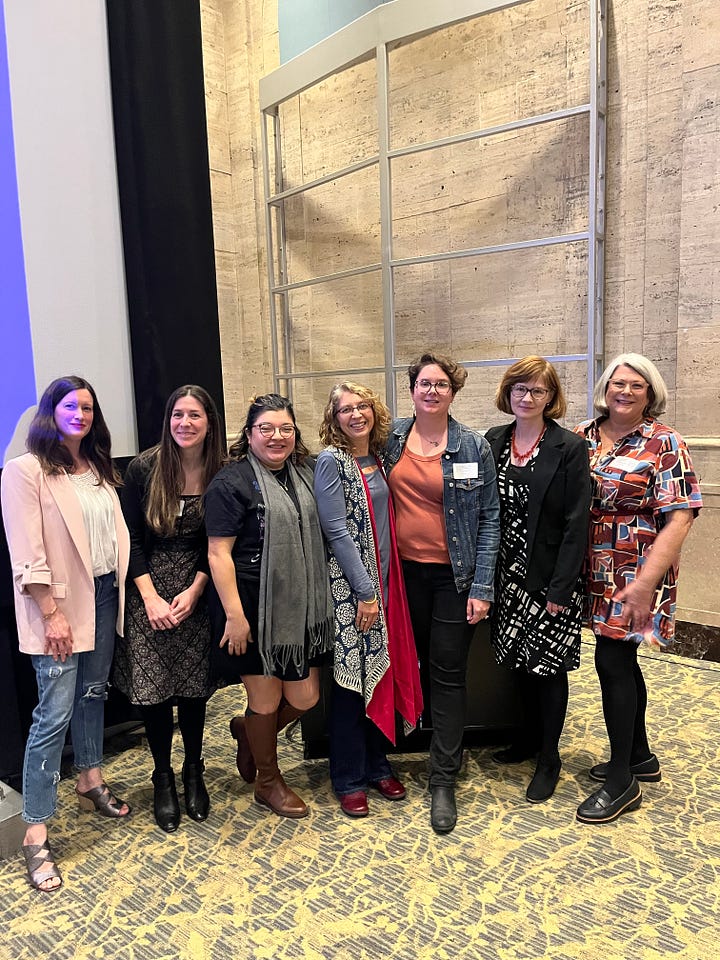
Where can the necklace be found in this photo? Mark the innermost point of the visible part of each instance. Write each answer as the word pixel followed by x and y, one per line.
pixel 522 457
pixel 283 479
pixel 433 443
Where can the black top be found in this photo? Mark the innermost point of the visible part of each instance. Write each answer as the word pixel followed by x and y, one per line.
pixel 143 540
pixel 234 507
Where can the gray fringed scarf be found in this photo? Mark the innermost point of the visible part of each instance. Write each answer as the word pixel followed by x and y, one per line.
pixel 292 604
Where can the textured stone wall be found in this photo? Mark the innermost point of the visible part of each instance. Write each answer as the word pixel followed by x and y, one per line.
pixel 662 265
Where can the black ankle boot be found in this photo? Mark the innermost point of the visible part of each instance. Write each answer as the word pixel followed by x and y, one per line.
pixel 197 801
pixel 165 802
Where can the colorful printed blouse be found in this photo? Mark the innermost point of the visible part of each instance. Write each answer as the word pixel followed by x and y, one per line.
pixel 647 474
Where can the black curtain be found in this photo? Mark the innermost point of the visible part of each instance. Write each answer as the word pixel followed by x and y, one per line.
pixel 158 100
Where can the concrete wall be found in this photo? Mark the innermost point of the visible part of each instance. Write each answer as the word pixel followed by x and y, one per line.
pixel 662 291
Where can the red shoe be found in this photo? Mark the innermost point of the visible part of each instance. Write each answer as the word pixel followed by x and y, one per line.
pixel 355 804
pixel 390 788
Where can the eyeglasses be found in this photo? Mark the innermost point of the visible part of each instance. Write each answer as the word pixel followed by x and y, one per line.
pixel 441 387
pixel 518 390
pixel 621 385
pixel 361 407
pixel 269 430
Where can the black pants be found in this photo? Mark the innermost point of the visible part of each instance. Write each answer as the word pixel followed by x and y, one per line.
pixel 442 636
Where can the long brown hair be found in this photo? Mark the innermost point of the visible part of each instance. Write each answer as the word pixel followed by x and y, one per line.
pixel 45 442
pixel 166 474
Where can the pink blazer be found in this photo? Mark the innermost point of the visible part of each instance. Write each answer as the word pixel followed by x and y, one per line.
pixel 48 544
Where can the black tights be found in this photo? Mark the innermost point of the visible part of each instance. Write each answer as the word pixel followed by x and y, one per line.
pixel 624 698
pixel 546 700
pixel 158 720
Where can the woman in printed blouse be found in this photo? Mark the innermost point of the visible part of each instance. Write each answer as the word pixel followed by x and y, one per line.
pixel 375 666
pixel 165 656
pixel 544 485
pixel 645 498
pixel 269 568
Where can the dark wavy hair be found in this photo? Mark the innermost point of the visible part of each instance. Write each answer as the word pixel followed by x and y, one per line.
pixel 456 374
pixel 330 432
pixel 166 474
pixel 267 403
pixel 45 442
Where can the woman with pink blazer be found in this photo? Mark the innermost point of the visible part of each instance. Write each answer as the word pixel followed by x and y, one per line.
pixel 69 548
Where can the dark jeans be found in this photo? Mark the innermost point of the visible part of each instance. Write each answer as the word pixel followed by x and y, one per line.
pixel 442 636
pixel 358 750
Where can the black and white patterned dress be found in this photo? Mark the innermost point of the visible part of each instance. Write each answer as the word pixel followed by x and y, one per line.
pixel 152 666
pixel 525 636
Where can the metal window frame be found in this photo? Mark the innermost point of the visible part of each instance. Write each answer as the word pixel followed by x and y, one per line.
pixel 371 37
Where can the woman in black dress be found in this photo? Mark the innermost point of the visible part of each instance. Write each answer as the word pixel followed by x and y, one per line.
pixel 269 568
pixel 165 657
pixel 544 485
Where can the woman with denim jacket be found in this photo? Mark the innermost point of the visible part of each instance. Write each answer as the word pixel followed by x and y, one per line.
pixel 442 477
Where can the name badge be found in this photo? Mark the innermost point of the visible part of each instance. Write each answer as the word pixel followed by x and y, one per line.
pixel 628 465
pixel 465 471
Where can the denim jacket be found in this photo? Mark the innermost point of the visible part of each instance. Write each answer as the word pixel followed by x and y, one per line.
pixel 472 507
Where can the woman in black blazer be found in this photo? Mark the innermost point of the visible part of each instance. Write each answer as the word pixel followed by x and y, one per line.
pixel 544 485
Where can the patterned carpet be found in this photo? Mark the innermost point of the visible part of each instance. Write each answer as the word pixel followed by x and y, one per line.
pixel 514 881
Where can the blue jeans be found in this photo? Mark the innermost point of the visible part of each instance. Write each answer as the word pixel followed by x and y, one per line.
pixel 442 637
pixel 358 750
pixel 69 694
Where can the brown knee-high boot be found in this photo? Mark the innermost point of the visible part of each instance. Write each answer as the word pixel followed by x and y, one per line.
pixel 244 759
pixel 270 788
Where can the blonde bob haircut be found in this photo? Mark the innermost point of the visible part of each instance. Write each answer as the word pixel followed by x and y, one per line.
pixel 330 432
pixel 657 391
pixel 525 371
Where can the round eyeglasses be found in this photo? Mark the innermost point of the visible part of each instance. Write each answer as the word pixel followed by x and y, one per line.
pixel 268 430
pixel 518 391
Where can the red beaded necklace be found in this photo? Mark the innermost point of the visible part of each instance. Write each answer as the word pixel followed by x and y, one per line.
pixel 522 457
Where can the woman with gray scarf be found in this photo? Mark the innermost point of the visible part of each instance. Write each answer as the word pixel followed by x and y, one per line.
pixel 268 566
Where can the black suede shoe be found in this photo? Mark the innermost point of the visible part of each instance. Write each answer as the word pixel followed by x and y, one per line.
pixel 542 786
pixel 165 803
pixel 197 801
pixel 443 812
pixel 648 771
pixel 600 807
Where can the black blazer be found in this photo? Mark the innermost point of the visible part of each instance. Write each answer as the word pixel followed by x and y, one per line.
pixel 558 510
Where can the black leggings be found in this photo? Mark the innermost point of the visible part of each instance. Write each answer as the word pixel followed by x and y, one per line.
pixel 158 720
pixel 545 700
pixel 624 698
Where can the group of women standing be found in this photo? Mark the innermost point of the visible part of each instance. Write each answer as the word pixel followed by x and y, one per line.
pixel 381 557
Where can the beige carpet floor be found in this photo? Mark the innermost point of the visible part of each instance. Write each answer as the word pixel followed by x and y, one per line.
pixel 514 881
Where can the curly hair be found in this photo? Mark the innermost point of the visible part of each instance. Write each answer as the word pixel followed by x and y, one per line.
pixel 525 371
pixel 330 432
pixel 45 442
pixel 267 403
pixel 456 374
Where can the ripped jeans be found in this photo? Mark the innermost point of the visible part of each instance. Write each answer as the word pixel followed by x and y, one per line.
pixel 70 694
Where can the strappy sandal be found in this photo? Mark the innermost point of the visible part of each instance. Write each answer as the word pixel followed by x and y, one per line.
pixel 101 799
pixel 36 856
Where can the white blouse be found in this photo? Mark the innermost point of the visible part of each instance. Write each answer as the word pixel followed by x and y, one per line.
pixel 99 516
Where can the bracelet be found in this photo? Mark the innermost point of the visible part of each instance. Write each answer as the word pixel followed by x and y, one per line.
pixel 373 599
pixel 52 613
